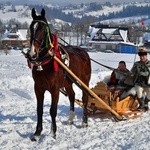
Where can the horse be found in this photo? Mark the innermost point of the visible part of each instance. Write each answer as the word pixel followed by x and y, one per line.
pixel 48 75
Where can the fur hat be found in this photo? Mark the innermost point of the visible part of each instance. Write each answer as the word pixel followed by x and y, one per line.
pixel 142 52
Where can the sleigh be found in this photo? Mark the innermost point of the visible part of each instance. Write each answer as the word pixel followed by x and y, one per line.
pixel 127 107
pixel 102 100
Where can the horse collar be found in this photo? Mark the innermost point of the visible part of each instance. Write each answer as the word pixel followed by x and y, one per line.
pixel 39 63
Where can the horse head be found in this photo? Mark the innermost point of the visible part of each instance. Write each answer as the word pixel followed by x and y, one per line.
pixel 40 36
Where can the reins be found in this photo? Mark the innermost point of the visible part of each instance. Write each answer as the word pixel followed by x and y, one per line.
pixel 111 68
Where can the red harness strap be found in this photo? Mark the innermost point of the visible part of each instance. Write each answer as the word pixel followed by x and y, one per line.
pixel 42 63
pixel 56 51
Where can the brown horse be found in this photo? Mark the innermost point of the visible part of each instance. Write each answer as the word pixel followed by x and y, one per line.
pixel 47 77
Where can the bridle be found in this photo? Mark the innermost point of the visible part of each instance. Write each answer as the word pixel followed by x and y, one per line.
pixel 46 30
pixel 41 56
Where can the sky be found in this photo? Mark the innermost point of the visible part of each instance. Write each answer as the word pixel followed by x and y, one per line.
pixel 64 2
pixel 18 112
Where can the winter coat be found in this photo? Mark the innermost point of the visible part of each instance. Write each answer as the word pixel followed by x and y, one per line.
pixel 118 77
pixel 141 73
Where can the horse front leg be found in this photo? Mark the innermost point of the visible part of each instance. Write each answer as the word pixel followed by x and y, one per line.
pixel 53 113
pixel 40 98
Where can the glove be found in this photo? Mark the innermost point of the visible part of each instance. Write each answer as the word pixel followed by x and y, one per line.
pixel 144 73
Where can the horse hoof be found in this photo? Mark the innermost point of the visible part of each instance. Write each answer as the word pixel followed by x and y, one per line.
pixel 69 122
pixel 71 117
pixel 54 136
pixel 34 138
pixel 84 125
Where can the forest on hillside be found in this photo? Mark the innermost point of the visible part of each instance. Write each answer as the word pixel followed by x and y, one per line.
pixel 127 11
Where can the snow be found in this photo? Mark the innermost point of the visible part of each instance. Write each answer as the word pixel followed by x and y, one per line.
pixel 106 12
pixel 18 112
pixel 22 14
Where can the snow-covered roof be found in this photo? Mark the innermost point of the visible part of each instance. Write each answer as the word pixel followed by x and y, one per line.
pixel 108 31
pixel 18 35
pixel 112 42
pixel 123 34
pixel 93 32
pixel 23 34
pixel 147 37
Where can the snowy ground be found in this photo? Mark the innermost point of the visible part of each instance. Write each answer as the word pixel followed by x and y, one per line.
pixel 18 113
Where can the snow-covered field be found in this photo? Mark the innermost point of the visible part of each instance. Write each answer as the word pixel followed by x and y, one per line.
pixel 18 113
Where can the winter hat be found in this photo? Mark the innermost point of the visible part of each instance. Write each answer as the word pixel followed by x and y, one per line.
pixel 142 52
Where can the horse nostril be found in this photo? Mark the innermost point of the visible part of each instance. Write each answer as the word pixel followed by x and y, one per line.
pixel 34 56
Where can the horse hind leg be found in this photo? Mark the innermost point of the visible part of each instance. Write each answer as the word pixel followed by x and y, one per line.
pixel 71 117
pixel 86 79
pixel 85 118
pixel 53 112
pixel 71 96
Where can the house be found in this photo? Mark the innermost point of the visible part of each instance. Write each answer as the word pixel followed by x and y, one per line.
pixel 104 37
pixel 146 40
pixel 15 38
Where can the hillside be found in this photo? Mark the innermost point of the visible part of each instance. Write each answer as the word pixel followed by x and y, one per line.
pixel 77 13
pixel 104 9
pixel 20 13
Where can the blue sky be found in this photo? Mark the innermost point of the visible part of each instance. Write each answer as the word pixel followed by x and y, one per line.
pixel 65 2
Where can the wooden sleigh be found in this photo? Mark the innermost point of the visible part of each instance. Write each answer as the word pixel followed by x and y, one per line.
pixel 127 107
pixel 102 99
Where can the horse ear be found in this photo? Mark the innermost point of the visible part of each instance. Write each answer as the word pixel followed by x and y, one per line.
pixel 43 13
pixel 33 13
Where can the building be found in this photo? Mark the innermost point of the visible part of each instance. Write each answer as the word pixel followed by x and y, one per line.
pixel 15 38
pixel 104 37
pixel 146 40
